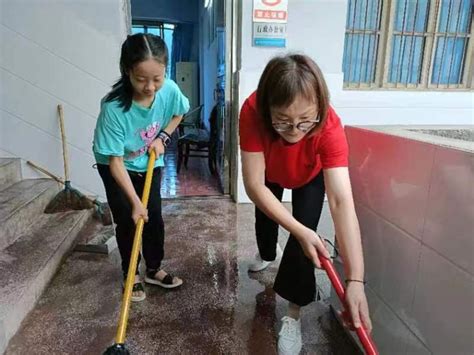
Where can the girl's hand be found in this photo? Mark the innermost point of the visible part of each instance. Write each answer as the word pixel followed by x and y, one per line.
pixel 312 244
pixel 158 146
pixel 358 312
pixel 138 211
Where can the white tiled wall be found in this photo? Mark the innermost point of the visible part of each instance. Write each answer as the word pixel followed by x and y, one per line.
pixel 388 180
pixel 415 204
pixel 443 306
pixel 391 261
pixel 449 225
pixel 57 52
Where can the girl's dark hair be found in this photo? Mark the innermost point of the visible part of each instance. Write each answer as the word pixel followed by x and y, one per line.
pixel 136 49
pixel 286 77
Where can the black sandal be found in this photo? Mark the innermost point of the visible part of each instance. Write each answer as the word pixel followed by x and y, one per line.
pixel 166 282
pixel 137 287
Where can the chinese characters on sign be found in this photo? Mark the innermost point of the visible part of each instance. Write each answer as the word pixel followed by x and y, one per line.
pixel 268 14
pixel 269 23
pixel 266 29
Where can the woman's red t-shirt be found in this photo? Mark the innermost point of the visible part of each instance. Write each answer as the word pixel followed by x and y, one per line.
pixel 293 165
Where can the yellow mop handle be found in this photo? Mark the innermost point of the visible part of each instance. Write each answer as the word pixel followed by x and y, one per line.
pixel 137 240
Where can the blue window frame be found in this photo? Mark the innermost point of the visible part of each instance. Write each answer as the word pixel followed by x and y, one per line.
pixel 415 44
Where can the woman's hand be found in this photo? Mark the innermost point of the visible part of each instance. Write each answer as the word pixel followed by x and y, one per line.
pixel 139 211
pixel 358 312
pixel 312 244
pixel 158 146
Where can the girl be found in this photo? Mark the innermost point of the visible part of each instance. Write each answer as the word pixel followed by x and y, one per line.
pixel 138 115
pixel 291 138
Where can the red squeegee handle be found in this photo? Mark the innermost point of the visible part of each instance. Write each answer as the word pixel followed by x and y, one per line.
pixel 364 337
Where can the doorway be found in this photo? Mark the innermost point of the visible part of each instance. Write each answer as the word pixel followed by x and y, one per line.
pixel 200 52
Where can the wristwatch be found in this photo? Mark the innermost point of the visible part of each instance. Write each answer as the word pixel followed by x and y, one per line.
pixel 165 138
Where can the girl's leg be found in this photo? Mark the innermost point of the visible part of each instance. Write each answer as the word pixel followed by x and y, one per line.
pixel 295 280
pixel 154 229
pixel 154 236
pixel 266 229
pixel 122 214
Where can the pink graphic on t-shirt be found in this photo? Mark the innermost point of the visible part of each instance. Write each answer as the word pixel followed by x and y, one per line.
pixel 147 135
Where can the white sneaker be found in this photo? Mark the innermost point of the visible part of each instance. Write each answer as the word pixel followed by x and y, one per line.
pixel 259 264
pixel 289 338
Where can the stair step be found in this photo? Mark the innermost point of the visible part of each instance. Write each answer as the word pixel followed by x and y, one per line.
pixel 10 172
pixel 27 266
pixel 21 205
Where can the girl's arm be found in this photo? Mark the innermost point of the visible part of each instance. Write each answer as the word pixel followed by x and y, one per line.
pixel 253 170
pixel 157 144
pixel 341 203
pixel 120 174
pixel 175 121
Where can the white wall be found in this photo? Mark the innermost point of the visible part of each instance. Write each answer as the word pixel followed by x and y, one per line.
pixel 57 52
pixel 316 27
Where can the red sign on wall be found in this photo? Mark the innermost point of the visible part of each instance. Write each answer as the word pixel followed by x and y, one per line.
pixel 275 11
pixel 271 2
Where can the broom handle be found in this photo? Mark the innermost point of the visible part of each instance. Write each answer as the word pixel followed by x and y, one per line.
pixel 364 337
pixel 57 178
pixel 127 295
pixel 63 140
pixel 46 172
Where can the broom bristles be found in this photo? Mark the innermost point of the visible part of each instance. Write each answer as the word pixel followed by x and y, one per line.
pixel 68 199
pixel 117 349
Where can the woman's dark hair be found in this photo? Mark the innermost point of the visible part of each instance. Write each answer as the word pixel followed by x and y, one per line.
pixel 286 77
pixel 136 49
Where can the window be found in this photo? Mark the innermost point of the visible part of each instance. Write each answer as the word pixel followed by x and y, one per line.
pixel 164 30
pixel 408 44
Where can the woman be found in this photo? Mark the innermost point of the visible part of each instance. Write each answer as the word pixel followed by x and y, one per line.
pixel 291 138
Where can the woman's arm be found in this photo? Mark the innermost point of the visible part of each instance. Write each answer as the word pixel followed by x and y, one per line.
pixel 120 174
pixel 341 203
pixel 253 170
pixel 338 189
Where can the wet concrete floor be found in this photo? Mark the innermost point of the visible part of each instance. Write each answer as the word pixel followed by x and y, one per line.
pixel 220 309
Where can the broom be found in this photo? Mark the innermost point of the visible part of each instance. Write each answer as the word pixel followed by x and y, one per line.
pixel 364 337
pixel 103 212
pixel 69 198
pixel 119 347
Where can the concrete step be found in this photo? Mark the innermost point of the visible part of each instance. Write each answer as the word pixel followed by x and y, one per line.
pixel 97 238
pixel 10 172
pixel 21 204
pixel 28 265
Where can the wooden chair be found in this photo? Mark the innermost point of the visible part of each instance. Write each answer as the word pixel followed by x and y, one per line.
pixel 197 142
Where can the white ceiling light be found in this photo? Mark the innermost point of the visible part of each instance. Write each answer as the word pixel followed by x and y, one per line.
pixel 207 3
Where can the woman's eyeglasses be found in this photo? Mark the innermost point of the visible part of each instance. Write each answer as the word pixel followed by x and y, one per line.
pixel 304 126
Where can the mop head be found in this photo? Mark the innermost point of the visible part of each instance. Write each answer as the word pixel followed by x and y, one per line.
pixel 68 199
pixel 117 349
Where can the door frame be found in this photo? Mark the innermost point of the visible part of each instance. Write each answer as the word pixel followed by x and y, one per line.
pixel 233 19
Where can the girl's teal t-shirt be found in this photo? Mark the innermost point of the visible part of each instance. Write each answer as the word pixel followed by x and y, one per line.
pixel 129 134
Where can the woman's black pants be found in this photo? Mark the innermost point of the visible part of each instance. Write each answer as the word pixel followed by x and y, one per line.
pixel 295 280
